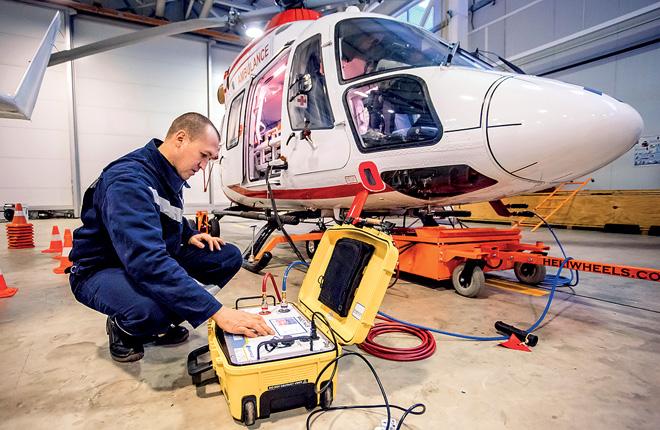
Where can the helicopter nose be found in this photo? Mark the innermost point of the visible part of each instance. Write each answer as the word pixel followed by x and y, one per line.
pixel 550 131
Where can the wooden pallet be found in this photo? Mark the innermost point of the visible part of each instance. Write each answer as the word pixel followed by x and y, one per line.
pixel 588 209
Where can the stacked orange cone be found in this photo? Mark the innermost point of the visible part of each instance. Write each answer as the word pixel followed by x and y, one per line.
pixel 20 234
pixel 55 242
pixel 5 291
pixel 65 263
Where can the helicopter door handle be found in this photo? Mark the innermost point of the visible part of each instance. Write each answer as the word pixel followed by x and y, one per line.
pixel 340 123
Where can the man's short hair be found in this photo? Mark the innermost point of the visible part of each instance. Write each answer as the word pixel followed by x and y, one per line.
pixel 192 123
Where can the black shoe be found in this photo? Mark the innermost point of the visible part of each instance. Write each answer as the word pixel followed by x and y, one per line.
pixel 173 336
pixel 123 347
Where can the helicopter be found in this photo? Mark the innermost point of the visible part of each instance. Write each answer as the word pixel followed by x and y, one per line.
pixel 321 107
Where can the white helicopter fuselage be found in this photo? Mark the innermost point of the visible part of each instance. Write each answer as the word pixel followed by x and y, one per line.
pixel 430 135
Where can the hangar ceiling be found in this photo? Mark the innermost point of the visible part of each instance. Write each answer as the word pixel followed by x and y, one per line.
pixel 238 15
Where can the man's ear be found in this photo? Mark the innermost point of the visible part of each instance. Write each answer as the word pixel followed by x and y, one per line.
pixel 180 137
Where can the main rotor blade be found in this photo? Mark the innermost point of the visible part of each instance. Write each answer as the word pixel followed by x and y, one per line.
pixel 135 37
pixel 21 104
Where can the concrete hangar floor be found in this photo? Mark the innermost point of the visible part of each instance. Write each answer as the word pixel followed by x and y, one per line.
pixel 595 365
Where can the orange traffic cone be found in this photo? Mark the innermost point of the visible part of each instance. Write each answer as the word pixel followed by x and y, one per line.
pixel 68 238
pixel 20 234
pixel 5 291
pixel 55 242
pixel 65 263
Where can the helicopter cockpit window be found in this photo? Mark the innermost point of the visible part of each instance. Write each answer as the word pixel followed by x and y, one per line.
pixel 367 46
pixel 392 113
pixel 308 101
pixel 233 122
pixel 264 119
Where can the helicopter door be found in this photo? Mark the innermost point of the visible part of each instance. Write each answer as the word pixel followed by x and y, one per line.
pixel 310 113
pixel 264 120
pixel 232 157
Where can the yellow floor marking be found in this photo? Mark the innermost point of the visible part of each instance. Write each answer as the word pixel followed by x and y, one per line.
pixel 503 284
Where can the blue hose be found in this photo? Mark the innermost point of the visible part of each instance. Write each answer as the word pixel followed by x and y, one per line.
pixel 286 272
pixel 554 279
pixel 563 280
pixel 491 338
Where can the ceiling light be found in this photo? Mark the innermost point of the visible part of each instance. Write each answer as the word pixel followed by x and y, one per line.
pixel 254 32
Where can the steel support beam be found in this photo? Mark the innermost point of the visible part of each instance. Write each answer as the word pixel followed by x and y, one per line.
pixel 206 8
pixel 160 8
pixel 74 151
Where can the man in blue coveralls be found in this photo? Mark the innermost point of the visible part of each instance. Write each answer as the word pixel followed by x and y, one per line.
pixel 136 258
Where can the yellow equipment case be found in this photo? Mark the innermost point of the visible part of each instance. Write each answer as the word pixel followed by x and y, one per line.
pixel 345 283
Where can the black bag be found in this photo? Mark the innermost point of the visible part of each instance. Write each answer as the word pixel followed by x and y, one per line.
pixel 344 274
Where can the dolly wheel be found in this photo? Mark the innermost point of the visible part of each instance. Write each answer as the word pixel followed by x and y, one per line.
pixel 527 273
pixel 326 398
pixel 468 287
pixel 310 247
pixel 249 413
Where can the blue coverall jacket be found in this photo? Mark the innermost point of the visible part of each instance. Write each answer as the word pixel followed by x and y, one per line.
pixel 133 219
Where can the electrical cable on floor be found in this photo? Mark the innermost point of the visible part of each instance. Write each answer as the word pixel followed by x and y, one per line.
pixel 416 409
pixel 388 407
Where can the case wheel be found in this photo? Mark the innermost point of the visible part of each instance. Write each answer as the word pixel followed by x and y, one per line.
pixel 531 274
pixel 326 398
pixel 468 287
pixel 310 247
pixel 249 412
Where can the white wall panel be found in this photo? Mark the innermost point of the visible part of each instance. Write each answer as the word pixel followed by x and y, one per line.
pixel 632 78
pixel 532 23
pixel 529 28
pixel 597 11
pixel 35 166
pixel 568 16
pixel 129 95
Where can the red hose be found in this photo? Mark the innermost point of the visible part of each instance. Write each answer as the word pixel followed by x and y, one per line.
pixel 264 285
pixel 424 350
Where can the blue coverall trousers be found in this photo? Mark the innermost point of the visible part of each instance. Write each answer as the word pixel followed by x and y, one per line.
pixel 111 292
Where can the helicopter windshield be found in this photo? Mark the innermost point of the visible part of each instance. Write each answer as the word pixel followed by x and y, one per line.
pixel 367 46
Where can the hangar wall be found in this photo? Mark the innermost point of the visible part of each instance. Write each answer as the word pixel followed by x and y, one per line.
pixel 100 107
pixel 35 159
pixel 553 38
pixel 631 77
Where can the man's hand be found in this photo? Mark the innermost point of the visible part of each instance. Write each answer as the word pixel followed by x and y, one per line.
pixel 199 239
pixel 239 322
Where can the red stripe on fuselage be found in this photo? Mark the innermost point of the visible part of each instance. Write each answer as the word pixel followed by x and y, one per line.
pixel 333 192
